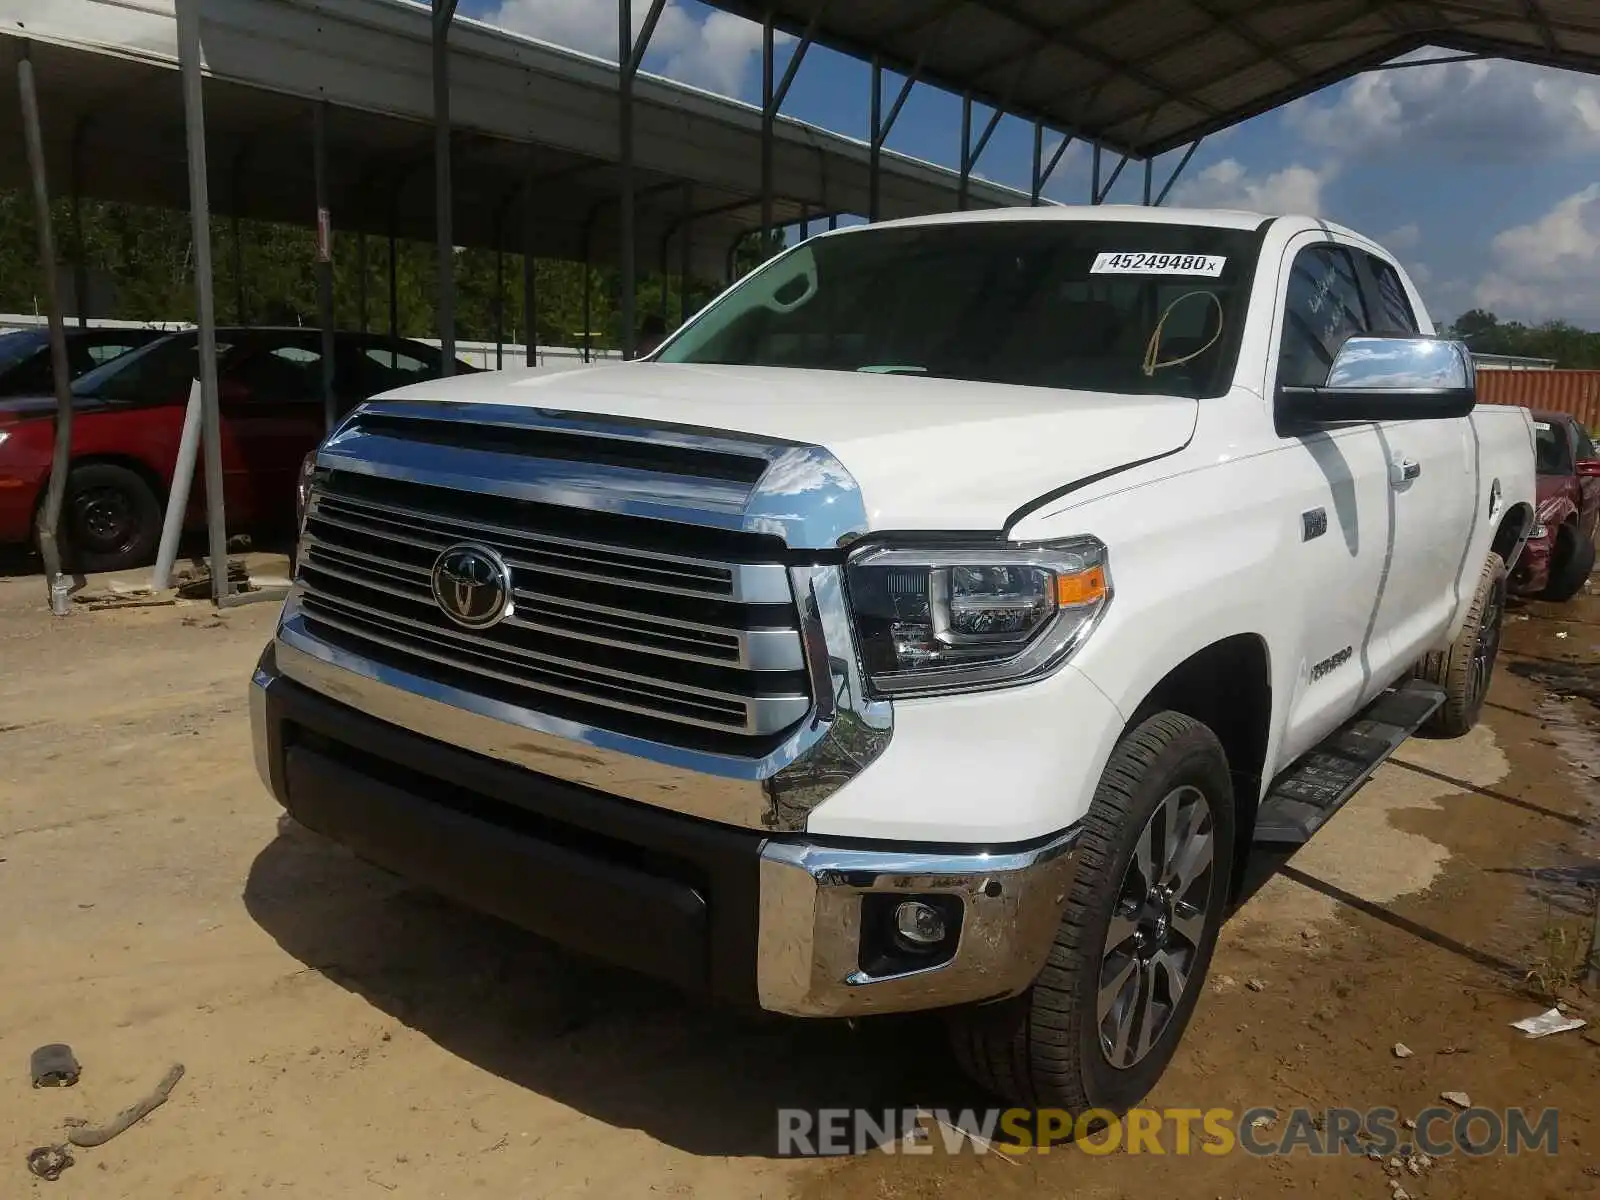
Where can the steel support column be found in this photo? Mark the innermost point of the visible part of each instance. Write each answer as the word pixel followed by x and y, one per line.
pixel 394 290
pixel 684 246
pixel 1149 179
pixel 236 232
pixel 972 151
pixel 768 119
pixel 773 93
pixel 49 517
pixel 530 312
pixel 875 145
pixel 499 294
pixel 194 121
pixel 630 56
pixel 965 175
pixel 1094 176
pixel 1102 192
pixel 361 278
pixel 80 265
pixel 1178 170
pixel 1043 170
pixel 588 289
pixel 444 12
pixel 319 173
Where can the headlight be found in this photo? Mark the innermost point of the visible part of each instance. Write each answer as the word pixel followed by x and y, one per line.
pixel 1539 530
pixel 302 489
pixel 939 619
pixel 4 434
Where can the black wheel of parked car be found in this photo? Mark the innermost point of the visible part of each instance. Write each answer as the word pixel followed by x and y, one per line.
pixel 111 519
pixel 1466 666
pixel 1103 1019
pixel 1570 565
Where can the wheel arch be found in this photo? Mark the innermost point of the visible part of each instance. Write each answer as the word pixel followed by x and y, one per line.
pixel 1510 534
pixel 1226 686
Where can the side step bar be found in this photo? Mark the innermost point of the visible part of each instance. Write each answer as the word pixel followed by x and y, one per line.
pixel 1317 785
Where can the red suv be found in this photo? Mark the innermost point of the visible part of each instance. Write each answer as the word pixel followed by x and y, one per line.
pixel 128 415
pixel 1560 554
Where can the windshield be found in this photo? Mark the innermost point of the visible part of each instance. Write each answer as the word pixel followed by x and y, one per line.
pixel 1550 450
pixel 1114 306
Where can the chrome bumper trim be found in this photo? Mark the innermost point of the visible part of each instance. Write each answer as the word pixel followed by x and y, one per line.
pixel 808 958
pixel 843 734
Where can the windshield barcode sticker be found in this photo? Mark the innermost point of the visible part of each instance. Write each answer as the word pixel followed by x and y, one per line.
pixel 1143 262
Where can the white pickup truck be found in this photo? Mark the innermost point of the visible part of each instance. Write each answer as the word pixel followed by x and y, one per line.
pixel 937 620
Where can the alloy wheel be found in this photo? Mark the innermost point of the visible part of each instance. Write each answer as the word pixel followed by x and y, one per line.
pixel 1157 926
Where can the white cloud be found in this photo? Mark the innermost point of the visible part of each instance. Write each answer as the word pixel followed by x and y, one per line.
pixel 1478 111
pixel 716 53
pixel 1549 267
pixel 1229 184
pixel 1403 239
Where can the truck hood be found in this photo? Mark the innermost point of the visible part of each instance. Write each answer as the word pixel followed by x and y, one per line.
pixel 926 453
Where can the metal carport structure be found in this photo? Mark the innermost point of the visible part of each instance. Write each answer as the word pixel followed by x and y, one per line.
pixel 1142 77
pixel 344 112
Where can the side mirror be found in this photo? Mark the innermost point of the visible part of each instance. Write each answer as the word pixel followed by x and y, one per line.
pixel 1588 468
pixel 1386 379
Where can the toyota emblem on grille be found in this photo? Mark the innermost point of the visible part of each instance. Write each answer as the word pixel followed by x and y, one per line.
pixel 472 584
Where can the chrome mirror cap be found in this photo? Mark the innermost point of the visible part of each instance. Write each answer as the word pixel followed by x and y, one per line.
pixel 1401 364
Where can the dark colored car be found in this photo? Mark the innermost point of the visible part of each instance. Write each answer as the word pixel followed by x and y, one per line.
pixel 128 417
pixel 1560 553
pixel 25 355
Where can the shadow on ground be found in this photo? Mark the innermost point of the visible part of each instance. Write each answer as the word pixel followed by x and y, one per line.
pixel 617 1047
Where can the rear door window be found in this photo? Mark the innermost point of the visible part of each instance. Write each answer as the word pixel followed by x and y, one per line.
pixel 1323 309
pixel 279 371
pixel 1394 313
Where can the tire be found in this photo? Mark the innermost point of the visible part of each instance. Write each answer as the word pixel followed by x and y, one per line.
pixel 1464 668
pixel 1574 560
pixel 110 519
pixel 1044 1048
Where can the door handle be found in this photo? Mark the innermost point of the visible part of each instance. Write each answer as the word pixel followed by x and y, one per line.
pixel 1403 470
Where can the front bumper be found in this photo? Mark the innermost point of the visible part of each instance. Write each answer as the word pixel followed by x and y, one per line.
pixel 1531 575
pixel 783 922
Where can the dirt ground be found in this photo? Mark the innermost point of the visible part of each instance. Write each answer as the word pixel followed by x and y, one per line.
pixel 345 1035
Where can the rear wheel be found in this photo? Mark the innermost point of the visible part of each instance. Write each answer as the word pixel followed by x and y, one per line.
pixel 111 519
pixel 1570 566
pixel 1100 1024
pixel 1465 667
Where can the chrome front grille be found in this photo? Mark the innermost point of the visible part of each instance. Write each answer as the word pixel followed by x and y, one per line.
pixel 648 627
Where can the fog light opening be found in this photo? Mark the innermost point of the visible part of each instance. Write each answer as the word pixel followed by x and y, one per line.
pixel 918 927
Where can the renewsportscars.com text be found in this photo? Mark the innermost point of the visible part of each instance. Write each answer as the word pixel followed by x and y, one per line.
pixel 1436 1132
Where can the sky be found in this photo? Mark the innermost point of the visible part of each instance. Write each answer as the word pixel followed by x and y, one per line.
pixel 1482 177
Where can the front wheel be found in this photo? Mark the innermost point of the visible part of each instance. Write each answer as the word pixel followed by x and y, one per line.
pixel 1463 669
pixel 111 518
pixel 1100 1024
pixel 1570 565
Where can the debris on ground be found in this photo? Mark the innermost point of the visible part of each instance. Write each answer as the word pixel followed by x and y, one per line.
pixel 1459 1099
pixel 1263 1122
pixel 1550 1021
pixel 99 1135
pixel 47 1162
pixel 1401 1050
pixel 1255 985
pixel 1397 1192
pixel 1562 634
pixel 54 1066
